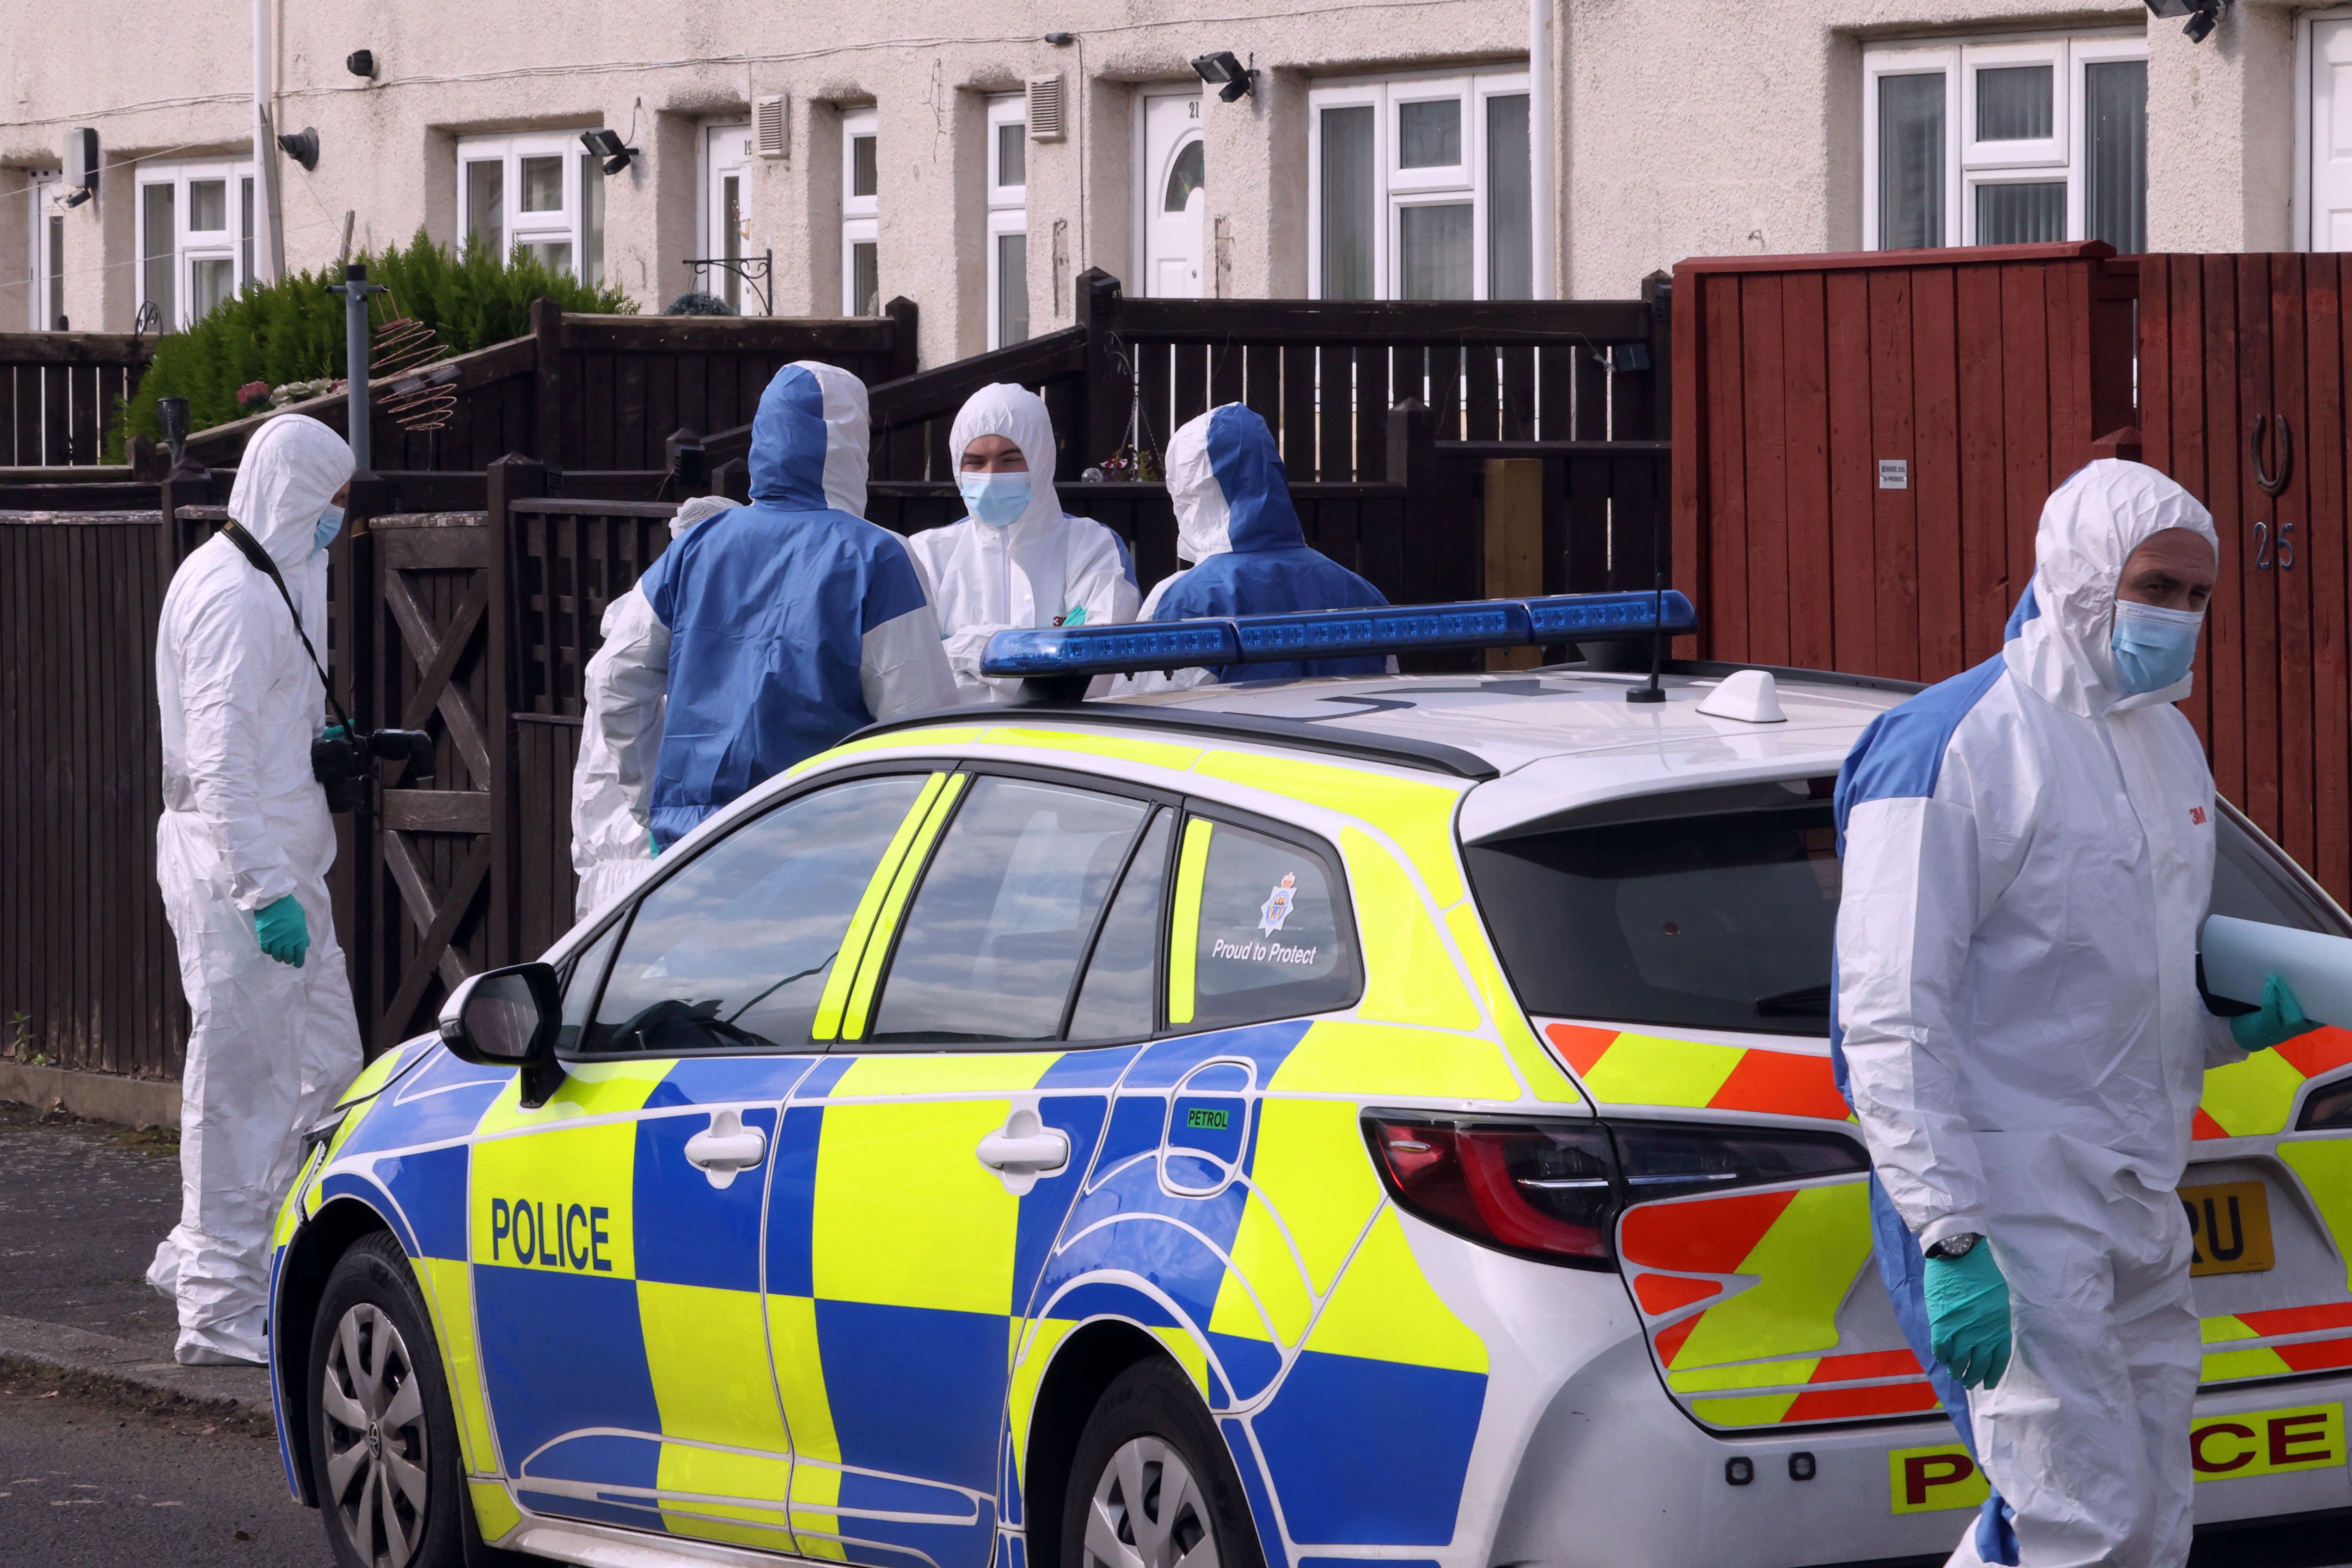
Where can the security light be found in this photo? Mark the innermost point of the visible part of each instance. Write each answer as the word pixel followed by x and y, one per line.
pixel 608 146
pixel 361 62
pixel 302 146
pixel 2202 15
pixel 1224 71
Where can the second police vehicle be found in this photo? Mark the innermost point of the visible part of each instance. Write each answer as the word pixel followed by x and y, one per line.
pixel 1302 1125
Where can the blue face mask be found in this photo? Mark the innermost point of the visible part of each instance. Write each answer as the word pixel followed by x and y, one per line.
pixel 996 499
pixel 331 523
pixel 2154 648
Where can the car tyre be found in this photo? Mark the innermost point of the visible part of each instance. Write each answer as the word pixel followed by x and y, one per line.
pixel 383 1440
pixel 1151 1485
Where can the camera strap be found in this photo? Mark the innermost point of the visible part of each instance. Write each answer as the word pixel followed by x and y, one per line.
pixel 251 548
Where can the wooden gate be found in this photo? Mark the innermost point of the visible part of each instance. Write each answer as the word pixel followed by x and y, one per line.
pixel 439 666
pixel 2243 382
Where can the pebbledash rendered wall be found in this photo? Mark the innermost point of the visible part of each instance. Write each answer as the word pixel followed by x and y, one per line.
pixel 1682 127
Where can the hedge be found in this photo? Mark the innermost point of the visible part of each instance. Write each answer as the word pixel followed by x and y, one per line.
pixel 293 330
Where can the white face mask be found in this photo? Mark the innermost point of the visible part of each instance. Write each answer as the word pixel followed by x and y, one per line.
pixel 997 499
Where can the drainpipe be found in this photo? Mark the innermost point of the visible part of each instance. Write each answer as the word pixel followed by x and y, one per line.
pixel 1539 146
pixel 270 245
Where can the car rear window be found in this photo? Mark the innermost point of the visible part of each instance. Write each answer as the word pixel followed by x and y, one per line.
pixel 1719 921
pixel 1726 920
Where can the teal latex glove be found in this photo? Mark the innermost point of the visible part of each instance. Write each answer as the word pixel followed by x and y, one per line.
pixel 653 845
pixel 2279 1019
pixel 334 732
pixel 284 931
pixel 1967 1315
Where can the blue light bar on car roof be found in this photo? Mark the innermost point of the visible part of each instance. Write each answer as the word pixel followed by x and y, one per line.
pixel 1334 634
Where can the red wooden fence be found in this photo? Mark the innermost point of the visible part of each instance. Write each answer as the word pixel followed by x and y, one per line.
pixel 1988 372
pixel 2226 341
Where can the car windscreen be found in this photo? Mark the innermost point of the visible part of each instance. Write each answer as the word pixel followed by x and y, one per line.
pixel 1726 920
pixel 1718 921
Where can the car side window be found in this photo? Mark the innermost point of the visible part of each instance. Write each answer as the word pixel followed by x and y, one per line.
pixel 994 936
pixel 1258 930
pixel 581 978
pixel 1115 1001
pixel 732 951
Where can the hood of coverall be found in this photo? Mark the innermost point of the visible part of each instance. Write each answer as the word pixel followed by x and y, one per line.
pixel 2059 641
pixel 1225 478
pixel 1019 416
pixel 290 471
pixel 809 440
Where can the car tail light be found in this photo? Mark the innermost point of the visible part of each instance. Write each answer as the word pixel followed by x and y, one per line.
pixel 2330 1106
pixel 1552 1189
pixel 1545 1189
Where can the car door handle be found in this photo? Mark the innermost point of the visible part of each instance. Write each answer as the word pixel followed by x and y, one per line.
pixel 1037 1154
pixel 725 1147
pixel 1023 1149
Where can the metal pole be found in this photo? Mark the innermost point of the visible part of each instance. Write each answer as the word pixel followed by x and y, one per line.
pixel 1541 120
pixel 269 252
pixel 355 290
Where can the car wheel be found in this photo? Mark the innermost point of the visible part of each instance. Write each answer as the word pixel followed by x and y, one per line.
pixel 383 1444
pixel 1151 1485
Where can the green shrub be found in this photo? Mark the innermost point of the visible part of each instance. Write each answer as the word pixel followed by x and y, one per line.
pixel 293 330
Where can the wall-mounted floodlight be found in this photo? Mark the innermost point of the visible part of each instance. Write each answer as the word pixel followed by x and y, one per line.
pixel 608 146
pixel 361 62
pixel 80 165
pixel 1226 73
pixel 2203 16
pixel 302 146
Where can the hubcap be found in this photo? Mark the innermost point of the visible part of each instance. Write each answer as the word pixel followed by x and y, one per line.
pixel 1148 1513
pixel 375 1415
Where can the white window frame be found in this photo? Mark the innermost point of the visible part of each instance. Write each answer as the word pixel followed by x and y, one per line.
pixel 1396 188
pixel 1008 206
pixel 709 222
pixel 563 227
pixel 42 188
pixel 1970 164
pixel 191 245
pixel 861 216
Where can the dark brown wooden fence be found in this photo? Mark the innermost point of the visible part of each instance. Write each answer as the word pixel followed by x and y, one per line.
pixel 61 394
pixel 599 392
pixel 1986 374
pixel 87 976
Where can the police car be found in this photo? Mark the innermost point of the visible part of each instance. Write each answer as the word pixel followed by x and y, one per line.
pixel 1266 1126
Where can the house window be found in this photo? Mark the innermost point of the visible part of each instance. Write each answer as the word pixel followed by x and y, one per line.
pixel 2013 142
pixel 195 237
pixel 861 214
pixel 726 210
pixel 1419 188
pixel 540 194
pixel 1008 221
pixel 44 262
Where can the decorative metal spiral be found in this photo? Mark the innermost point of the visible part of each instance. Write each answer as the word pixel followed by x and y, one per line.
pixel 421 398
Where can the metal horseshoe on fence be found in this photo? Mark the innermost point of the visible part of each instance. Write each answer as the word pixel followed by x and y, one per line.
pixel 2272 484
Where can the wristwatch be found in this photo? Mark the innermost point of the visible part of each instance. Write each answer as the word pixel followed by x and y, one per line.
pixel 1955 1246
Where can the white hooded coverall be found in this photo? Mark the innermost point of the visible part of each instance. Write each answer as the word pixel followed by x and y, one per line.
pixel 2029 854
pixel 270 1046
pixel 1033 572
pixel 609 846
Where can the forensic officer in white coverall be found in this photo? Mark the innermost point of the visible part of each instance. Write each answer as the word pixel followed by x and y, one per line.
pixel 611 848
pixel 1017 559
pixel 2029 854
pixel 241 856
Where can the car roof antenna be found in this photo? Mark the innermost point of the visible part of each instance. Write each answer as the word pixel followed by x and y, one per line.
pixel 1651 693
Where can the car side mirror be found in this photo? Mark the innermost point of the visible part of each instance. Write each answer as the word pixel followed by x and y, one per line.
pixel 509 1018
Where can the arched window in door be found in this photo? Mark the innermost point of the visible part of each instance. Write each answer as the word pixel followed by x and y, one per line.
pixel 1184 177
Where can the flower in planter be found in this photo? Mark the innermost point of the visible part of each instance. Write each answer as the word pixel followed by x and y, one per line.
pixel 253 394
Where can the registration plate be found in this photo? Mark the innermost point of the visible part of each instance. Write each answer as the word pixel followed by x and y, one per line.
pixel 2231 1223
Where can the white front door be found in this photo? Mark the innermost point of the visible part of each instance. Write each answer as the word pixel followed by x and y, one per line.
pixel 2331 135
pixel 727 211
pixel 1171 197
